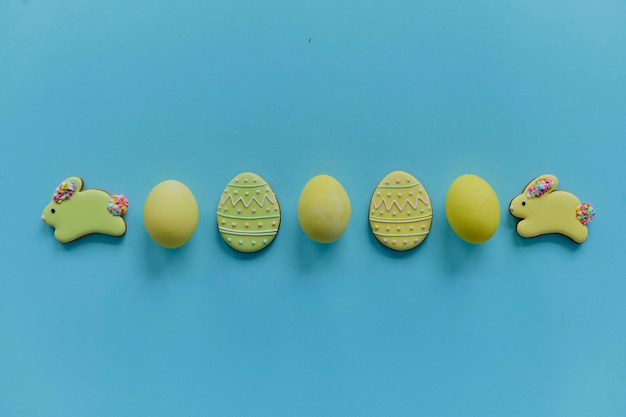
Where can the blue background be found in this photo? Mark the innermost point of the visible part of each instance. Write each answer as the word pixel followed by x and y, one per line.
pixel 127 94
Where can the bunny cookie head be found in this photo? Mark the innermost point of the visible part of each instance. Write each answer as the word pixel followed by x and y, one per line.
pixel 544 210
pixel 74 212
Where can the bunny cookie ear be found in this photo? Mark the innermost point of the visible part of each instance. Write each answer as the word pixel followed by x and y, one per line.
pixel 543 184
pixel 67 189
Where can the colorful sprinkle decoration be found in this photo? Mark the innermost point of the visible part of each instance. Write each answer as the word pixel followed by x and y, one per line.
pixel 118 205
pixel 542 186
pixel 64 191
pixel 585 213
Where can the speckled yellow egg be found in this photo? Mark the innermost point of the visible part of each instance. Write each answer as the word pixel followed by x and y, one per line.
pixel 248 213
pixel 324 209
pixel 170 214
pixel 473 209
pixel 400 211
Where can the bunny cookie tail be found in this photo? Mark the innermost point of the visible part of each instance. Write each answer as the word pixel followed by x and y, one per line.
pixel 585 213
pixel 118 204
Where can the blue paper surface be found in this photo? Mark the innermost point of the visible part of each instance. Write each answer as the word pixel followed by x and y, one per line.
pixel 128 94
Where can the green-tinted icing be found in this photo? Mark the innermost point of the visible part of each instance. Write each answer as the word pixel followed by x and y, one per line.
pixel 84 213
pixel 398 216
pixel 248 213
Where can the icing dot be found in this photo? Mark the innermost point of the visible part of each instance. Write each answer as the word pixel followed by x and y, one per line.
pixel 423 226
pixel 388 194
pixel 376 227
pixel 241 242
pixel 393 242
pixel 236 179
pixel 260 224
pixel 373 212
pixel 399 194
pixel 233 224
pixel 225 208
pixel 387 228
pixel 267 190
pixel 420 190
pixel 258 191
pixel 385 240
pixel 415 240
pixel 265 241
pixel 236 192
pixel 429 208
pixel 394 213
pixel 254 210
pixel 378 193
pixel 254 180
pixel 238 210
pixel 408 213
pixel 398 181
pixel 411 228
pixel 247 225
pixel 275 208
pixel 381 212
pixel 267 209
pixel 253 242
pixel 245 180
pixel 229 239
pixel 410 192
pixel 273 223
pixel 246 193
pixel 408 180
pixel 386 182
pixel 404 242
pixel 398 228
pixel 223 221
pixel 421 210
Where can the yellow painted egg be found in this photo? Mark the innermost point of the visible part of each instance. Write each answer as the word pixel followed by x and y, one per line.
pixel 473 209
pixel 170 214
pixel 400 211
pixel 248 213
pixel 324 209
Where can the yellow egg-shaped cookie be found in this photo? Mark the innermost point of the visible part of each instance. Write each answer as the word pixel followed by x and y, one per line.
pixel 170 214
pixel 473 209
pixel 324 209
pixel 248 213
pixel 400 212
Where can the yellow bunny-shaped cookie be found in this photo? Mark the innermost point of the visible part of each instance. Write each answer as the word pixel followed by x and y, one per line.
pixel 75 212
pixel 543 210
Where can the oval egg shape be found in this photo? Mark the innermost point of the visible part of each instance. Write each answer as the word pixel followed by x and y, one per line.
pixel 248 213
pixel 473 209
pixel 170 214
pixel 400 213
pixel 324 209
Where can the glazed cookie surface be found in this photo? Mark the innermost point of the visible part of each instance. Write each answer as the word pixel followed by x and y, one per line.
pixel 74 212
pixel 248 213
pixel 542 209
pixel 400 212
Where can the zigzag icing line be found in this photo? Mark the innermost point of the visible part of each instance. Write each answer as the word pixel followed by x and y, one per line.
pixel 394 202
pixel 260 203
